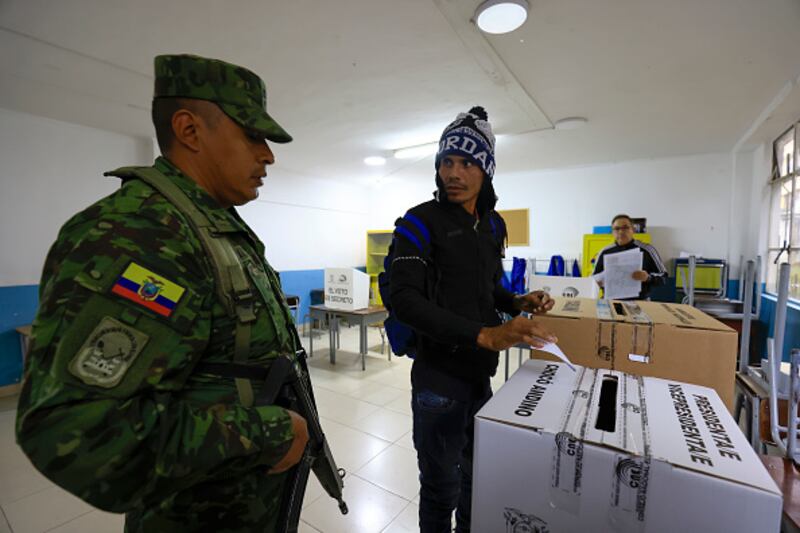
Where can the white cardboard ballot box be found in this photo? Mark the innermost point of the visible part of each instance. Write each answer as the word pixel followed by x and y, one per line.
pixel 558 450
pixel 346 288
pixel 565 287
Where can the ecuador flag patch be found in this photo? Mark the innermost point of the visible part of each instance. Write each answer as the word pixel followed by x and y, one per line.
pixel 146 288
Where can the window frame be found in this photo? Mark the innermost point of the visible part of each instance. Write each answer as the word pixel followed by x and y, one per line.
pixel 776 182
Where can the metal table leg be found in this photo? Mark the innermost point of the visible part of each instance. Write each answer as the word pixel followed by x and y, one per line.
pixel 310 337
pixel 756 421
pixel 362 337
pixel 333 326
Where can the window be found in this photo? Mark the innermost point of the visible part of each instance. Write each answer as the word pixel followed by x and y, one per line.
pixel 784 230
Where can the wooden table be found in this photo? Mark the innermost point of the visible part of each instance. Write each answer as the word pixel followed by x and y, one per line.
pixel 750 395
pixel 787 477
pixel 363 317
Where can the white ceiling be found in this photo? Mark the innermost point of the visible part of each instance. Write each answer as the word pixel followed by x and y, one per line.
pixel 352 78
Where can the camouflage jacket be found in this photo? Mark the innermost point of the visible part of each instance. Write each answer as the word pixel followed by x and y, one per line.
pixel 112 409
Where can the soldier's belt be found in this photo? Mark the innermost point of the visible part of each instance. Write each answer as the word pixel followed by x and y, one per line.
pixel 234 370
pixel 271 378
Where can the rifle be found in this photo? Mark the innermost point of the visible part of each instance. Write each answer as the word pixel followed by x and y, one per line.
pixel 317 456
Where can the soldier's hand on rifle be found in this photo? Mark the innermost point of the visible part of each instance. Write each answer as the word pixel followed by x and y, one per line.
pixel 517 330
pixel 295 453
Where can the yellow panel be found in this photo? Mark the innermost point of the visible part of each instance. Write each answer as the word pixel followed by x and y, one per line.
pixel 375 294
pixel 517 224
pixel 705 277
pixel 378 242
pixel 593 243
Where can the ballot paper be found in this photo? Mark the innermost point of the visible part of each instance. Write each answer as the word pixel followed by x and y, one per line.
pixel 618 268
pixel 552 348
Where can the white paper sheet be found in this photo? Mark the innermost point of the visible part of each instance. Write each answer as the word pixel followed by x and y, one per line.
pixel 552 348
pixel 618 269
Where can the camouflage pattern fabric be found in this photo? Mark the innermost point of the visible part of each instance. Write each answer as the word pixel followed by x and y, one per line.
pixel 112 409
pixel 240 93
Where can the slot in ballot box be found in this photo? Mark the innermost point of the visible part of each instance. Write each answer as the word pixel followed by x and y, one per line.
pixel 346 288
pixel 600 450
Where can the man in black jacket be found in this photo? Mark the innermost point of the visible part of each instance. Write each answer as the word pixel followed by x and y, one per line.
pixel 445 284
pixel 653 272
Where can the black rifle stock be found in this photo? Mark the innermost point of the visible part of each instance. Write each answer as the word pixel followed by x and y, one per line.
pixel 317 456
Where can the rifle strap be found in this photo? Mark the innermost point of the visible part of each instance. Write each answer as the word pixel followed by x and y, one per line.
pixel 233 289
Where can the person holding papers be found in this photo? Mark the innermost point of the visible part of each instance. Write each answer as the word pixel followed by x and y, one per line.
pixel 628 269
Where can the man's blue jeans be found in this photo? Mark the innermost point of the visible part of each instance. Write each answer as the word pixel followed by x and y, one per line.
pixel 443 437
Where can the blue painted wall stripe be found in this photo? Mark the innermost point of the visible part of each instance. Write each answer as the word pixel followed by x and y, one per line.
pixel 301 283
pixel 791 338
pixel 17 308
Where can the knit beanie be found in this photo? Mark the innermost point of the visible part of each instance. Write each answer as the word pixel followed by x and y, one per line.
pixel 469 135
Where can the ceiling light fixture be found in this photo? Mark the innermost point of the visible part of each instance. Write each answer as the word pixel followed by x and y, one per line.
pixel 375 161
pixel 570 123
pixel 412 152
pixel 501 16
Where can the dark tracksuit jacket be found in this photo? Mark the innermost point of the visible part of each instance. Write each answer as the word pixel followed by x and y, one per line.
pixel 447 291
pixel 651 263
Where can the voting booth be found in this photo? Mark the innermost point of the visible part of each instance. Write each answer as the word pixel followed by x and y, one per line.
pixel 346 288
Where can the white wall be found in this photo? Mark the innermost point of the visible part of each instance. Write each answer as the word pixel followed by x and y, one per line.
pixel 310 223
pixel 760 197
pixel 393 196
pixel 686 200
pixel 51 170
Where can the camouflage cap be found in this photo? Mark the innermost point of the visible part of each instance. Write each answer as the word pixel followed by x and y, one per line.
pixel 239 92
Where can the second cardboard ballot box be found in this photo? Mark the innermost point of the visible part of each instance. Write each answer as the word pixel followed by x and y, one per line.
pixel 662 340
pixel 598 450
pixel 346 288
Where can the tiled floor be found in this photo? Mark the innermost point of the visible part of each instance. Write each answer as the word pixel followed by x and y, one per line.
pixel 366 416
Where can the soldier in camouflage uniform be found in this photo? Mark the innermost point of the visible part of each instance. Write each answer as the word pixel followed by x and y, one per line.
pixel 116 407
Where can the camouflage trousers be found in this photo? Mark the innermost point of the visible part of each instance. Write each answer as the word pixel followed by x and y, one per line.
pixel 239 504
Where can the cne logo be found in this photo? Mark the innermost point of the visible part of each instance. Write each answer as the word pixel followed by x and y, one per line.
pixel 519 522
pixel 629 473
pixel 150 288
pixel 570 292
pixel 566 444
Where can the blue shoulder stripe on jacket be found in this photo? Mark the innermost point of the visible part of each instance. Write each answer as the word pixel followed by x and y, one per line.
pixel 418 223
pixel 410 236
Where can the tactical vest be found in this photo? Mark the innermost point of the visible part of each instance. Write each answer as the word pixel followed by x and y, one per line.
pixel 233 287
